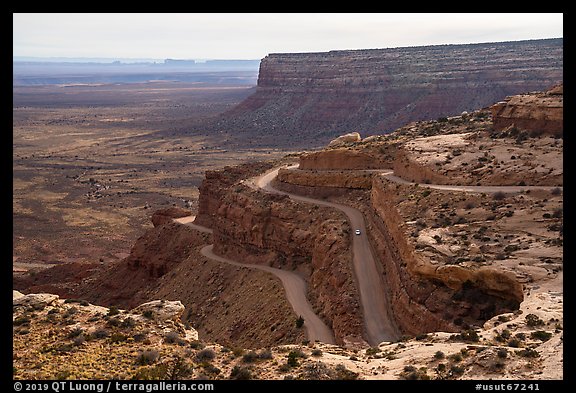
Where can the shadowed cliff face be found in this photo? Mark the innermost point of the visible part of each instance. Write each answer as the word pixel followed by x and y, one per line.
pixel 316 96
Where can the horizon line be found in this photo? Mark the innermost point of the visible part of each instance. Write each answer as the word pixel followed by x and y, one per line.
pixel 129 60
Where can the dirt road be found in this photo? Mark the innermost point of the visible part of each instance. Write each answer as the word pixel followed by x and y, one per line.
pixel 373 295
pixel 295 288
pixel 294 285
pixel 389 174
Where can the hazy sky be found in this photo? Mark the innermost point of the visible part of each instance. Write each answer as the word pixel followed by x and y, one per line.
pixel 253 36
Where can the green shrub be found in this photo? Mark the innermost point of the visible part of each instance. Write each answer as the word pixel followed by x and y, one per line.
pixel 411 373
pixel 75 332
pixel 100 333
pixel 456 370
pixel 372 351
pixel 293 356
pixel 515 343
pixel 455 357
pixel 211 369
pixel 113 311
pixel 541 335
pixel 529 353
pixel 343 373
pixel 533 320
pixel 470 335
pixel 128 323
pixel 265 354
pixel 172 338
pixel 250 357
pixel 115 321
pixel 503 335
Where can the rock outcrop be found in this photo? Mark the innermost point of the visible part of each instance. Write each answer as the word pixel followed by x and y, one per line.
pixel 311 98
pixel 161 310
pixel 538 114
pixel 68 338
pixel 331 179
pixel 163 216
pixel 361 157
pixel 345 139
pixel 36 301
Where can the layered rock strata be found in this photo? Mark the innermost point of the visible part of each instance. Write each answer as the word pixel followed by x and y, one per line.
pixel 356 156
pixel 331 179
pixel 536 113
pixel 314 97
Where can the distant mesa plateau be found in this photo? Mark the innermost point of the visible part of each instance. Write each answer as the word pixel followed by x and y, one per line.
pixel 422 240
pixel 318 96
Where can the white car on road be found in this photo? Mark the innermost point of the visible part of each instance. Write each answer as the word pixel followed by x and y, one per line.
pixel 357 231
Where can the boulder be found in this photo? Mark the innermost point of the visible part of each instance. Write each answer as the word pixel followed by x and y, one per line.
pixel 352 137
pixel 37 301
pixel 16 295
pixel 161 310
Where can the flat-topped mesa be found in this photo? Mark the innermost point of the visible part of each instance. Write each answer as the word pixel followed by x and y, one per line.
pixel 318 96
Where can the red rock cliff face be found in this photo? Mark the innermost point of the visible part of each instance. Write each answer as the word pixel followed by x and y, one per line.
pixel 348 159
pixel 316 96
pixel 260 228
pixel 541 113
pixel 423 298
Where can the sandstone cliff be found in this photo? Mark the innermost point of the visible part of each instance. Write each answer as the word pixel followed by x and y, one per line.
pixel 310 98
pixel 428 297
pixel 330 179
pixel 538 114
pixel 358 156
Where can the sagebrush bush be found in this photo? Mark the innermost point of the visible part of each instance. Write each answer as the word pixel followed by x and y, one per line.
pixel 147 357
pixel 205 355
pixel 240 373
